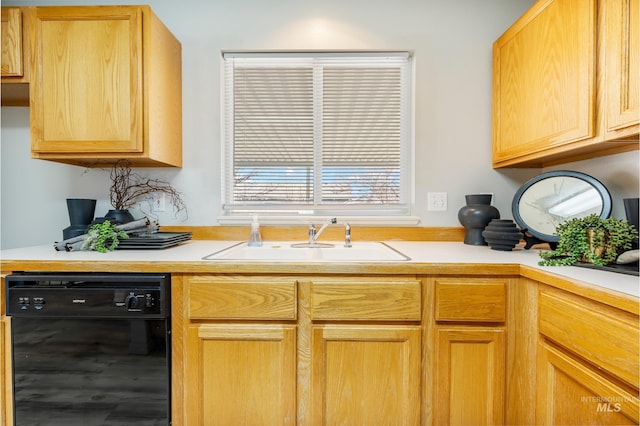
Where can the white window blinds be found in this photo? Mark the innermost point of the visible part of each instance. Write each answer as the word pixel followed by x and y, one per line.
pixel 317 131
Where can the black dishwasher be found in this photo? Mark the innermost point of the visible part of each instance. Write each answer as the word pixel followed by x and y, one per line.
pixel 90 348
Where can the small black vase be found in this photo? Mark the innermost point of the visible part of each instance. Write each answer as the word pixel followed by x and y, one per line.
pixel 502 234
pixel 81 212
pixel 475 216
pixel 119 217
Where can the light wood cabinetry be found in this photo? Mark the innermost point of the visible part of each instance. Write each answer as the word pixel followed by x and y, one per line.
pixel 239 371
pixel 565 83
pixel 107 85
pixel 470 350
pixel 587 362
pixel 300 350
pixel 16 25
pixel 364 373
pixel 621 75
pixel 12 54
pixel 6 385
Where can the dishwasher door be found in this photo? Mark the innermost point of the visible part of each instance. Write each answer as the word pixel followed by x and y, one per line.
pixel 90 350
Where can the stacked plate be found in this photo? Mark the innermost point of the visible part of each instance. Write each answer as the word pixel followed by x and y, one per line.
pixel 158 240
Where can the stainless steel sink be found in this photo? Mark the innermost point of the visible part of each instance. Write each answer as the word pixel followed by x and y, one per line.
pixel 365 251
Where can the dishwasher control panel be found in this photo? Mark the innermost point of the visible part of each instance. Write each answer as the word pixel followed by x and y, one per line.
pixel 100 296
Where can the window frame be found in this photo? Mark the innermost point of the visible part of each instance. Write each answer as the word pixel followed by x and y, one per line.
pixel 398 213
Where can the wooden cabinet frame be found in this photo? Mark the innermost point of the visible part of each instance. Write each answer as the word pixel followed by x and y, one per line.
pixel 565 83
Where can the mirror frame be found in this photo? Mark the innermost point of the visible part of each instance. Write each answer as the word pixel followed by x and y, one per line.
pixel 590 180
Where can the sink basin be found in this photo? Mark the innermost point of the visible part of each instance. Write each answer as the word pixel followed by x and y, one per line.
pixel 365 251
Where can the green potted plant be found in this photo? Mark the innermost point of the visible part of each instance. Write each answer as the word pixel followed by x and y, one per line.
pixel 590 239
pixel 103 237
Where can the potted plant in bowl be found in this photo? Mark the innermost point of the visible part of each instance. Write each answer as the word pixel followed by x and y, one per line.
pixel 128 188
pixel 590 239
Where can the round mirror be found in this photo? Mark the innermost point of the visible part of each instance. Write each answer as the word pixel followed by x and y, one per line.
pixel 552 198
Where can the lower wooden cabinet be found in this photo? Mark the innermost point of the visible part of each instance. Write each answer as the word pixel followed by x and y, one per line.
pixel 572 393
pixel 401 350
pixel 365 375
pixel 470 376
pixel 587 363
pixel 469 357
pixel 6 411
pixel 241 374
pixel 278 350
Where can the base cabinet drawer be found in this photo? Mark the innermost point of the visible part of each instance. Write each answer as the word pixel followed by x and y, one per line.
pixel 231 297
pixel 470 299
pixel 371 298
pixel 595 333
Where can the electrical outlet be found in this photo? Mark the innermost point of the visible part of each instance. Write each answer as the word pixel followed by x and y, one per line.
pixel 437 201
pixel 158 202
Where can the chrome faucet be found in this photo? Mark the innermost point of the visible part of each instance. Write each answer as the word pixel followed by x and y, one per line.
pixel 347 235
pixel 313 235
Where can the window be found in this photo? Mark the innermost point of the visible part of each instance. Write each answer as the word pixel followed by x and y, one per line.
pixel 318 133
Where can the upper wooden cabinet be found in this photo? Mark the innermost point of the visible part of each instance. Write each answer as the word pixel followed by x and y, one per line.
pixel 108 86
pixel 15 55
pixel 565 83
pixel 12 59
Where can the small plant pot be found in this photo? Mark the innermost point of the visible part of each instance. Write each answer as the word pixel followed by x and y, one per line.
pixel 598 245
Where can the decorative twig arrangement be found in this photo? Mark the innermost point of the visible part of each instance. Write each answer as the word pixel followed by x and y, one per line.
pixel 79 242
pixel 127 188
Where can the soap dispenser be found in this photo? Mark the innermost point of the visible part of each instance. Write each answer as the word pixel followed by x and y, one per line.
pixel 255 240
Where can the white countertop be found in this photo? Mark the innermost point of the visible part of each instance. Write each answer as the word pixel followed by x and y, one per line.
pixel 419 252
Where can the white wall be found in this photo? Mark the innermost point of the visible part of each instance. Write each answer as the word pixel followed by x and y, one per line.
pixel 452 41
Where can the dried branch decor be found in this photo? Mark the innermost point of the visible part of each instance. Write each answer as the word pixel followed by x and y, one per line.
pixel 127 188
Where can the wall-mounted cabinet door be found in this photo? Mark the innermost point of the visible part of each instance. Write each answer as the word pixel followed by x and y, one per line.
pixel 622 68
pixel 107 85
pixel 241 374
pixel 544 80
pixel 16 37
pixel 88 93
pixel 365 375
pixel 12 58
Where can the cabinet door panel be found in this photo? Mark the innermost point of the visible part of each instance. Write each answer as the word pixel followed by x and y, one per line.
pixel 366 375
pixel 571 393
pixel 244 374
pixel 470 382
pixel 88 94
pixel 622 71
pixel 544 79
pixel 12 58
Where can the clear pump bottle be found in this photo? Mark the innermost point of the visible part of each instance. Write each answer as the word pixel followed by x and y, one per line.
pixel 255 239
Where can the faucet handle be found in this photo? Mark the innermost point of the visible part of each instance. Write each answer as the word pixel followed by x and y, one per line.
pixel 347 235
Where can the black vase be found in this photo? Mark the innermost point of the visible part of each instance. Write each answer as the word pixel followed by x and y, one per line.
pixel 119 217
pixel 631 211
pixel 475 216
pixel 81 212
pixel 502 234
